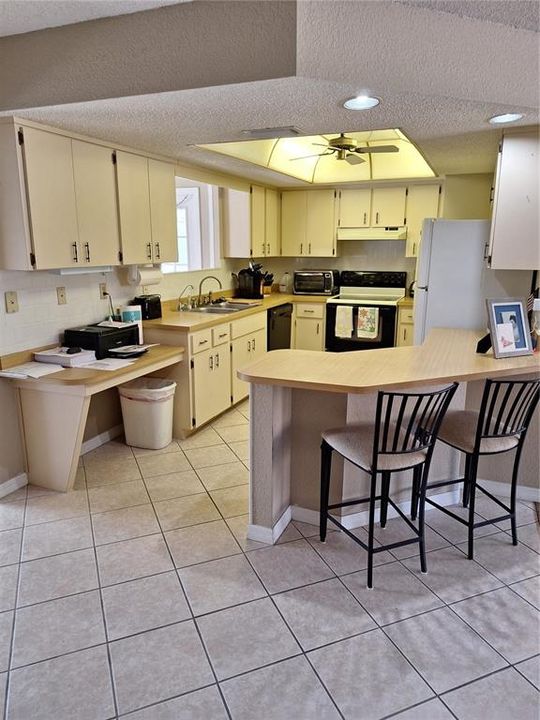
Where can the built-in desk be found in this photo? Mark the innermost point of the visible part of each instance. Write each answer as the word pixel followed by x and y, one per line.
pixel 54 408
pixel 295 394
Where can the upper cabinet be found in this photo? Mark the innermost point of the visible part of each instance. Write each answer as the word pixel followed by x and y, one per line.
pixel 272 222
pixel 388 206
pixel 308 223
pixel 250 222
pixel 515 225
pixel 422 203
pixel 354 208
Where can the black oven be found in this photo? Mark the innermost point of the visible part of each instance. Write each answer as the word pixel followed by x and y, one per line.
pixel 386 329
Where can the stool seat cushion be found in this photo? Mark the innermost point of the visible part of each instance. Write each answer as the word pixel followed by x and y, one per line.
pixel 458 429
pixel 355 442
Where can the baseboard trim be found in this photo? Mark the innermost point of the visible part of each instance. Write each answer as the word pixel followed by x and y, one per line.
pixel 101 439
pixel 523 492
pixel 262 534
pixel 14 483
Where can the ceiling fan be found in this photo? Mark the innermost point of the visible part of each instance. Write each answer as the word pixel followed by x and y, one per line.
pixel 348 149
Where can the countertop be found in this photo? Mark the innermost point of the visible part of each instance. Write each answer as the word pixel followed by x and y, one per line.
pixel 445 356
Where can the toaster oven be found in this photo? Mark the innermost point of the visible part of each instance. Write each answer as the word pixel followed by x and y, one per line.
pixel 316 282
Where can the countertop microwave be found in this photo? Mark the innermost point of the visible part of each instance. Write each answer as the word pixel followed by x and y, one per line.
pixel 316 282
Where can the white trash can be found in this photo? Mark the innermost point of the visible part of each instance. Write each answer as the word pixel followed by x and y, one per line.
pixel 147 409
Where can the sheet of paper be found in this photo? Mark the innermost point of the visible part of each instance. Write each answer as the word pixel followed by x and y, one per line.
pixel 107 364
pixel 30 369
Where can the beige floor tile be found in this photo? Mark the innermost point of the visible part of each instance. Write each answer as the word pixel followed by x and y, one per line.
pixel 430 710
pixel 223 476
pixel 396 531
pixel 214 455
pixel 228 636
pixel 124 524
pixel 205 704
pixel 240 449
pixel 52 577
pixel 80 479
pixel 114 497
pixel 530 535
pixel 531 670
pixel 8 586
pixel 220 583
pixel 452 530
pixel 489 509
pixel 344 555
pixel 59 506
pixel 158 664
pixel 234 433
pixel 510 564
pixel 231 417
pixel 173 485
pixel 144 452
pixel 109 473
pixel 202 438
pixel 112 449
pixel 189 510
pixel 308 530
pixel 131 559
pixel 57 627
pixel 11 514
pixel 232 501
pixel 200 543
pixel 6 627
pixel 53 538
pixel 529 589
pixel 151 465
pixel 144 604
pixel 10 546
pixel 19 494
pixel 288 689
pixel 238 526
pixel 71 686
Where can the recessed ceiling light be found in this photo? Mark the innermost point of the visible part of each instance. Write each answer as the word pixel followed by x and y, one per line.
pixel 361 102
pixel 506 118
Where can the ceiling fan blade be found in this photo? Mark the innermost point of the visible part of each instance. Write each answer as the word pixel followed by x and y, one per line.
pixel 320 144
pixel 304 157
pixel 376 149
pixel 354 159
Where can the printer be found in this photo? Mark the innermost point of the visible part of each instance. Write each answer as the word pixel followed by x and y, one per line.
pixel 101 338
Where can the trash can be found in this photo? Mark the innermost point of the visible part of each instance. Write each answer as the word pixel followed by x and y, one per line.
pixel 147 410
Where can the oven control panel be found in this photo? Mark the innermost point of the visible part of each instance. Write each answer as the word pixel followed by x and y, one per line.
pixel 369 278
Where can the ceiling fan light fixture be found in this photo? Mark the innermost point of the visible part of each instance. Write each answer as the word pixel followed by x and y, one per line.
pixel 506 118
pixel 361 102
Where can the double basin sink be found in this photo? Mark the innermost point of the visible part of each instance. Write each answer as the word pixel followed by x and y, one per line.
pixel 221 308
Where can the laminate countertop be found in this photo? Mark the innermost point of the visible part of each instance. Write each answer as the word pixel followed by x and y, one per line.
pixel 446 355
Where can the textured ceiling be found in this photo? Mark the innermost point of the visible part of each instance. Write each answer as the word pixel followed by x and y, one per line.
pixel 524 14
pixel 439 75
pixel 22 16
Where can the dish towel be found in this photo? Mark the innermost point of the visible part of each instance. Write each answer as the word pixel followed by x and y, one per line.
pixel 344 321
pixel 368 323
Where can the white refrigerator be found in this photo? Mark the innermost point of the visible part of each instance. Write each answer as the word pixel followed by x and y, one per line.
pixel 452 280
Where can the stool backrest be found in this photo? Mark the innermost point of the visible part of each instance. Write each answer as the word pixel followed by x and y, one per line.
pixel 409 422
pixel 506 408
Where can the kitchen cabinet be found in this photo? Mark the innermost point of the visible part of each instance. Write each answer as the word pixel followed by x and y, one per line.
pixel 210 365
pixel 248 343
pixel 272 224
pixel 308 223
pixel 250 222
pixel 309 326
pixel 422 202
pixel 405 326
pixel 354 208
pixel 162 190
pixel 388 207
pixel 515 225
pixel 257 222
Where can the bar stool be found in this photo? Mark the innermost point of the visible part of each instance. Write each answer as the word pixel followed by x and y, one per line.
pixel 403 437
pixel 499 426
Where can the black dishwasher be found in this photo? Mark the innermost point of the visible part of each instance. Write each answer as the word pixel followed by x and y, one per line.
pixel 279 327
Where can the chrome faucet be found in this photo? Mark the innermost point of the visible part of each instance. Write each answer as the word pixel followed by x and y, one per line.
pixel 208 277
pixel 188 305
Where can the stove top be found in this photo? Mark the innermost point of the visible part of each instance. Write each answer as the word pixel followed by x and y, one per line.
pixel 370 288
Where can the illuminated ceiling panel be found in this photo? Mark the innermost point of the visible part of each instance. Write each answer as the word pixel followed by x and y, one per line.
pixel 307 158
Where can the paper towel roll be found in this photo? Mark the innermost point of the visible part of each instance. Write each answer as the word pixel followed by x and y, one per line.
pixel 145 275
pixel 133 313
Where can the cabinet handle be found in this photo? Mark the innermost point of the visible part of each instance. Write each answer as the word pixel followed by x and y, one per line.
pixel 404 333
pixel 377 218
pixel 87 251
pixel 317 328
pixel 203 342
pixel 263 246
pixel 301 248
pixel 486 251
pixel 365 218
pixel 309 249
pixel 249 345
pixel 217 360
pixel 158 252
pixel 308 311
pixel 149 250
pixel 211 362
pixel 414 249
pixel 268 249
pixel 222 335
pixel 253 344
pixel 75 252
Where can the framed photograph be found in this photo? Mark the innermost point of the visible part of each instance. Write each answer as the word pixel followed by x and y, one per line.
pixel 509 328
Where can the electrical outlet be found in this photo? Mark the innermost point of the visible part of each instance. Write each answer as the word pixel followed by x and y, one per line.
pixel 12 303
pixel 103 291
pixel 61 295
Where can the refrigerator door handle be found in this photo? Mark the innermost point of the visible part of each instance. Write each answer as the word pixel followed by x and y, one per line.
pixel 421 287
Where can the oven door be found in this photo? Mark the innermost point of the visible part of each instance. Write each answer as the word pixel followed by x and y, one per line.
pixel 386 330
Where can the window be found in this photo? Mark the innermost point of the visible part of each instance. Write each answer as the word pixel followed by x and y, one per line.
pixel 197 227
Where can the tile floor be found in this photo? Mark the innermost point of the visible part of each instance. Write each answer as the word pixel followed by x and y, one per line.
pixel 138 595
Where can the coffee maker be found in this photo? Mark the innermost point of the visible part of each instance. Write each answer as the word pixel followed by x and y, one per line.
pixel 250 282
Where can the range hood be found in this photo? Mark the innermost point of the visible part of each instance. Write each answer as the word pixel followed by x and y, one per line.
pixel 372 233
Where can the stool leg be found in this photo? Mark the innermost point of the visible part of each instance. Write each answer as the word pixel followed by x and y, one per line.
pixel 417 474
pixel 473 469
pixel 385 490
pixel 326 466
pixel 373 493
pixel 513 495
pixel 422 476
pixel 466 481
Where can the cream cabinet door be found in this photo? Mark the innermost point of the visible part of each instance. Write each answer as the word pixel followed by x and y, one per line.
pixel 321 223
pixel 405 334
pixel 162 211
pixel 50 190
pixel 97 211
pixel 258 223
pixel 293 223
pixel 308 334
pixel 134 208
pixel 354 208
pixel 211 383
pixel 245 349
pixel 388 207
pixel 271 223
pixel 236 211
pixel 422 203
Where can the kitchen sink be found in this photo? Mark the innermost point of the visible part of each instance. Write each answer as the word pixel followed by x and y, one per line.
pixel 221 308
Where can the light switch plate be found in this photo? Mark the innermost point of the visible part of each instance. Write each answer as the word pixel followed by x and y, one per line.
pixel 61 295
pixel 12 302
pixel 103 294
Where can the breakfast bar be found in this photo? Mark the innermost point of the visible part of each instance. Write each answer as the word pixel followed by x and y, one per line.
pixel 297 394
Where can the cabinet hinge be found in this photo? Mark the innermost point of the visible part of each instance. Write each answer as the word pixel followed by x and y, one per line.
pixel 333 251
pixel 113 158
pixel 335 193
pixel 120 256
pixel 404 221
pixel 32 259
pixel 440 189
pixel 406 191
pixel 251 189
pixel 20 137
pixel 230 347
pixel 232 399
pixel 193 422
pixel 191 364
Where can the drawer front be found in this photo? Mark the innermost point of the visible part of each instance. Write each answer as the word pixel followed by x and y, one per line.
pixel 221 334
pixel 406 315
pixel 247 325
pixel 310 311
pixel 200 341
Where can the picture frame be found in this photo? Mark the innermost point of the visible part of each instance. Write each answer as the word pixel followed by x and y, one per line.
pixel 509 327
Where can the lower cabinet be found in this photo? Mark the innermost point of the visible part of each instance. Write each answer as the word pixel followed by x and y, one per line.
pixel 309 326
pixel 405 326
pixel 248 342
pixel 211 393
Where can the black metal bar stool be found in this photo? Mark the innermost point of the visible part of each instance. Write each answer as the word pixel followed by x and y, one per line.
pixel 403 437
pixel 499 426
